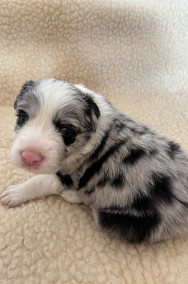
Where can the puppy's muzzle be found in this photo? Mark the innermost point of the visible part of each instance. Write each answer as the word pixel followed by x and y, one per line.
pixel 31 159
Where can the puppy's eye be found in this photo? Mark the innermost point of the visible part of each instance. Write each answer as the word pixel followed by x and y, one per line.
pixel 66 131
pixel 22 117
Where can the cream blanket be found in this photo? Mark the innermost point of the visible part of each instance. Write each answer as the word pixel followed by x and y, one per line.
pixel 135 52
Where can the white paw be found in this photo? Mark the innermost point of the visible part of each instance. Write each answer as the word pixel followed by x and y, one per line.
pixel 13 196
pixel 71 196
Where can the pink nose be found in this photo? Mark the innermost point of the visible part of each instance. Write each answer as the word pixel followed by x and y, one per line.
pixel 30 158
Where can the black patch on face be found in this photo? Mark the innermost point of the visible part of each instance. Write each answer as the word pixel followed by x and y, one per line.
pixel 22 118
pixel 67 131
pixel 27 87
pixel 69 140
pixel 160 188
pixel 65 180
pixel 173 149
pixel 134 229
pixel 96 167
pixel 118 181
pixel 134 156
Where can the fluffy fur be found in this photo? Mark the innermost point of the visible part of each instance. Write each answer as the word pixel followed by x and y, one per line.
pixel 135 180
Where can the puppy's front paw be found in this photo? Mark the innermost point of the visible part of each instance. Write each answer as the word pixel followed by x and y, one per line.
pixel 13 196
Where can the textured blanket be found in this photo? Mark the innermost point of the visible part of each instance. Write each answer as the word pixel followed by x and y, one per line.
pixel 136 54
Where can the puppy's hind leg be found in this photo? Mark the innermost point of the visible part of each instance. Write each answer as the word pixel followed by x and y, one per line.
pixel 37 186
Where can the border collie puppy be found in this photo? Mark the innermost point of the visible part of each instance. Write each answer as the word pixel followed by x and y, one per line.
pixel 134 180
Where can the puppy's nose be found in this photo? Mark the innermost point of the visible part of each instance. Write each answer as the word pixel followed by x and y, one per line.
pixel 30 158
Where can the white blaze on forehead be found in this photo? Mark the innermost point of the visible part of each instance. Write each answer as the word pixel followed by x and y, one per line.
pixel 55 94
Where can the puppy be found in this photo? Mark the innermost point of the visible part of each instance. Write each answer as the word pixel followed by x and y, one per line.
pixel 135 181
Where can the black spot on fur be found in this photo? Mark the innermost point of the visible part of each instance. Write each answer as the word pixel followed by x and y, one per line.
pixel 101 146
pixel 65 180
pixel 91 112
pixel 134 229
pixel 119 126
pixel 173 149
pixel 92 106
pixel 96 166
pixel 133 130
pixel 134 156
pixel 102 182
pixel 25 90
pixel 142 204
pixel 137 131
pixel 160 188
pixel 142 130
pixel 145 131
pixel 118 181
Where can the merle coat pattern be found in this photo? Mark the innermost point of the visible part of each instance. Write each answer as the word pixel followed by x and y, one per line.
pixel 135 180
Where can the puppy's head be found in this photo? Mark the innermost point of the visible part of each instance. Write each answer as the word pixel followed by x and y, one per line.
pixel 54 120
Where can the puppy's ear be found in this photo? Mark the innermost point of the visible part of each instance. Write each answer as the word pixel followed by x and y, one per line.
pixel 92 112
pixel 24 91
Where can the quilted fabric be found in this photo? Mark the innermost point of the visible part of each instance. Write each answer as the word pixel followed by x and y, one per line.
pixel 136 54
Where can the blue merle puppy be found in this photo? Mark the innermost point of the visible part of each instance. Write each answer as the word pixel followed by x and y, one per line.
pixel 85 150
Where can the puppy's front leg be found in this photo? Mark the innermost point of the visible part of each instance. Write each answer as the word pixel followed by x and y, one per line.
pixel 37 186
